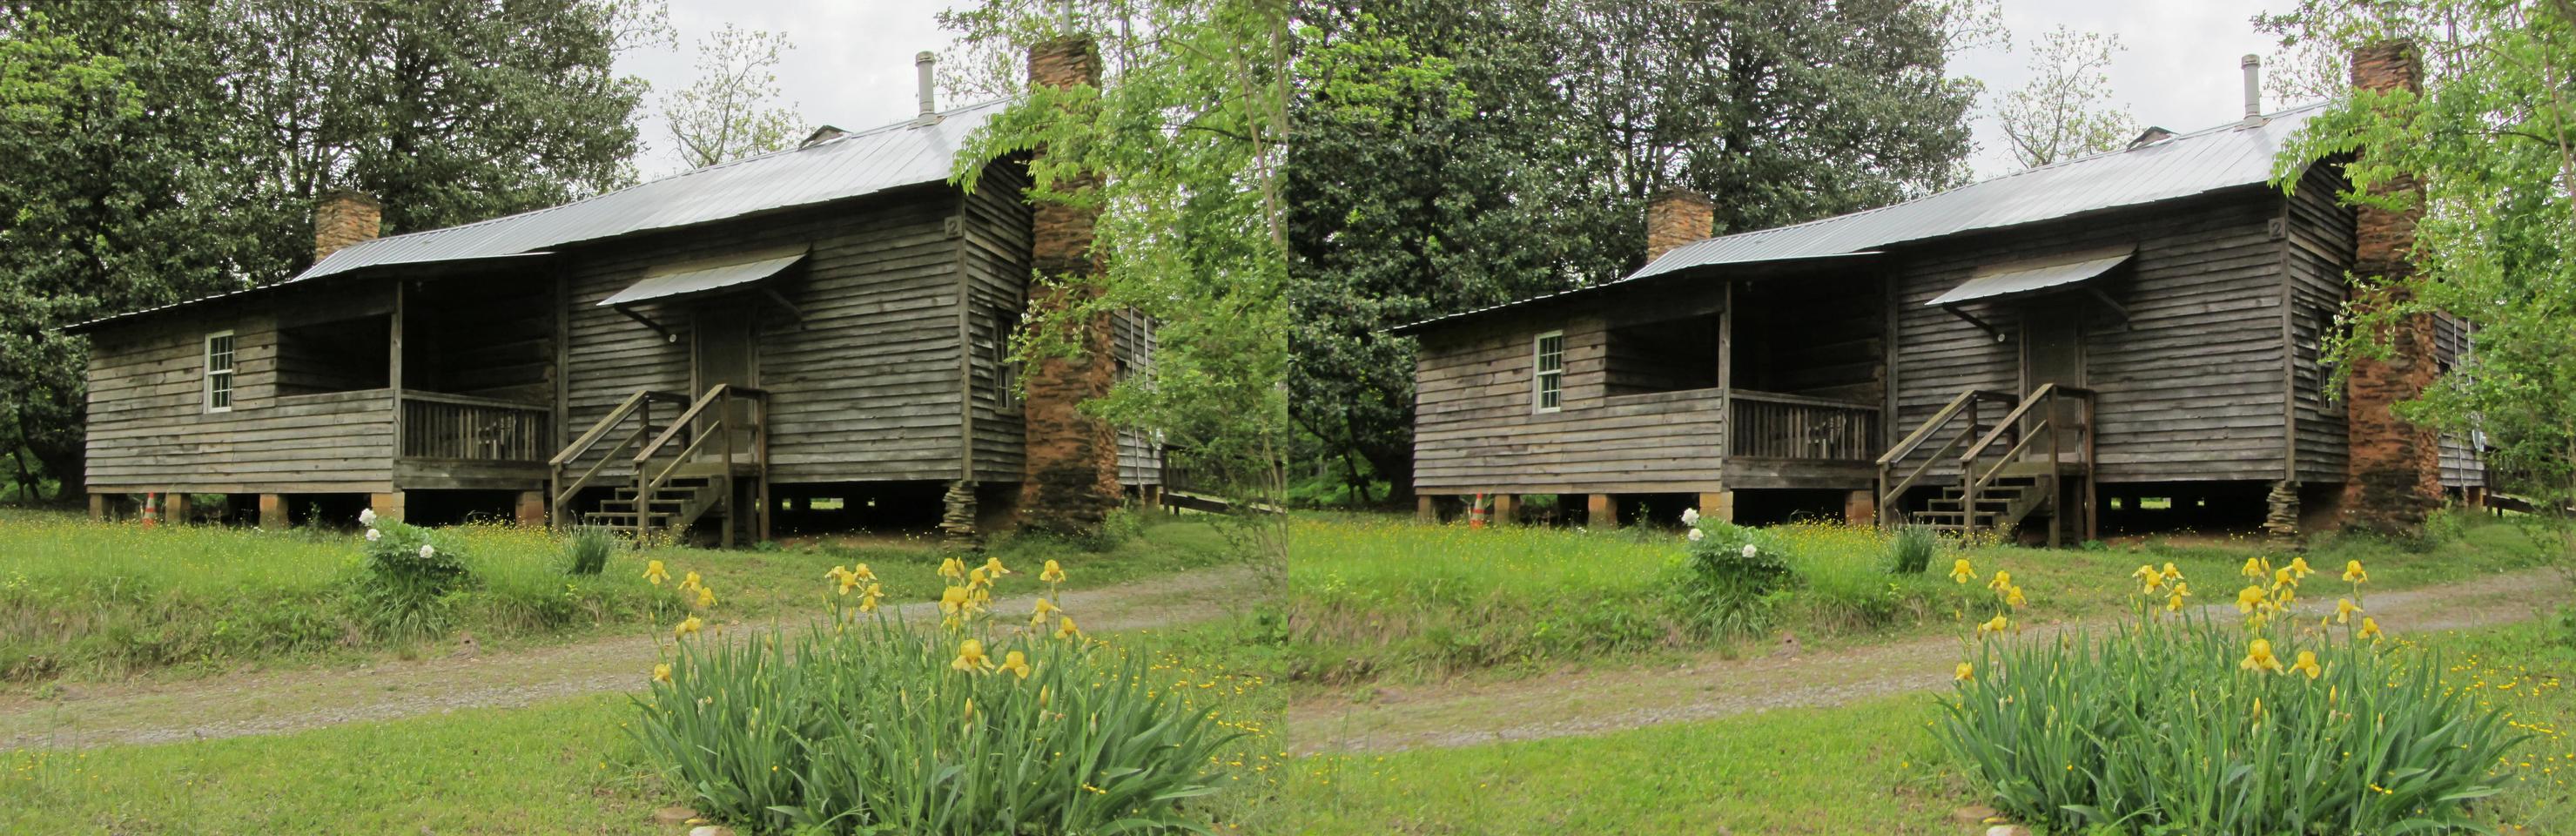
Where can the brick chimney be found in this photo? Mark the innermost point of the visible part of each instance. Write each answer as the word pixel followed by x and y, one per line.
pixel 1069 479
pixel 1675 217
pixel 2394 472
pixel 342 217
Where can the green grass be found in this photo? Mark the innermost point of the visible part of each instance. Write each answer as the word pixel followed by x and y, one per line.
pixel 91 600
pixel 1868 767
pixel 1380 596
pixel 568 766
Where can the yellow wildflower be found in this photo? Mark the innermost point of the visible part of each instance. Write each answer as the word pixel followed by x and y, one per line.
pixel 1997 624
pixel 690 582
pixel 2258 657
pixel 863 573
pixel 1964 673
pixel 2254 568
pixel 2146 572
pixel 977 579
pixel 654 573
pixel 849 581
pixel 662 672
pixel 1038 615
pixel 971 658
pixel 2299 567
pixel 2353 572
pixel 952 600
pixel 2282 578
pixel 1960 571
pixel 2369 628
pixel 2307 664
pixel 868 599
pixel 2180 591
pixel 687 625
pixel 706 598
pixel 1052 574
pixel 2171 573
pixel 993 567
pixel 2012 597
pixel 953 569
pixel 1017 663
pixel 2002 579
pixel 2251 598
pixel 2344 608
pixel 1064 629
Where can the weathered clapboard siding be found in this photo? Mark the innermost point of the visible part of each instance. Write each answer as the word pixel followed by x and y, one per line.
pixel 1140 460
pixel 996 251
pixel 1475 428
pixel 2317 250
pixel 149 429
pixel 2461 467
pixel 864 387
pixel 2191 388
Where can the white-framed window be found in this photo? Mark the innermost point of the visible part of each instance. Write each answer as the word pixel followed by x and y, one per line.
pixel 1548 361
pixel 1006 374
pixel 219 371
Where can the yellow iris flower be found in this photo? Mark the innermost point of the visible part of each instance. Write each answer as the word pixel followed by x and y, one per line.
pixel 952 600
pixel 690 582
pixel 2369 628
pixel 2002 579
pixel 2254 568
pixel 849 581
pixel 654 573
pixel 2307 664
pixel 1052 574
pixel 971 658
pixel 2012 597
pixel 2258 657
pixel 2251 598
pixel 1017 663
pixel 868 599
pixel 1964 673
pixel 1038 615
pixel 863 573
pixel 2181 591
pixel 2299 567
pixel 2171 573
pixel 953 569
pixel 706 598
pixel 662 673
pixel 1960 571
pixel 686 626
pixel 2283 577
pixel 993 567
pixel 2344 608
pixel 1997 624
pixel 1064 629
pixel 2352 572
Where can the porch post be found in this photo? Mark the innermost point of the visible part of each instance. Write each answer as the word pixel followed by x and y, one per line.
pixel 1601 510
pixel 174 508
pixel 387 505
pixel 1507 509
pixel 97 507
pixel 394 377
pixel 272 512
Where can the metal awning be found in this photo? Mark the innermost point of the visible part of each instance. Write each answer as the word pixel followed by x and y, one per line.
pixel 2019 277
pixel 702 276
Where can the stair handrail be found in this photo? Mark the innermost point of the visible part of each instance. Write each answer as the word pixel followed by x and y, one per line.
pixel 1966 401
pixel 562 494
pixel 1972 482
pixel 721 393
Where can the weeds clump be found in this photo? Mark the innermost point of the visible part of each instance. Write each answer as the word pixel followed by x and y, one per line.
pixel 586 549
pixel 1910 550
pixel 2175 722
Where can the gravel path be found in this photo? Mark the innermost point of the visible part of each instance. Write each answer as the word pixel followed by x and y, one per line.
pixel 85 715
pixel 1595 702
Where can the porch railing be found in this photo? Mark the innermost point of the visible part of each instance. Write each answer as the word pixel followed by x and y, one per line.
pixel 442 426
pixel 1775 426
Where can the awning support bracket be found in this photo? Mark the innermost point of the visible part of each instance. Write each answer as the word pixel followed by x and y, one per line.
pixel 630 313
pixel 1972 319
pixel 2116 308
pixel 793 312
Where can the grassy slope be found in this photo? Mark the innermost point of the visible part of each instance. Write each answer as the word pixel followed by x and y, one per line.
pixel 1865 768
pixel 1381 596
pixel 561 767
pixel 101 600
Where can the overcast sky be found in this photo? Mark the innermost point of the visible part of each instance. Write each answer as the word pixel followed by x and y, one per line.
pixel 852 65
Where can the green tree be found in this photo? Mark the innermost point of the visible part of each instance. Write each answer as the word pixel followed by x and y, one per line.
pixel 1185 132
pixel 2488 152
pixel 197 175
pixel 1453 154
pixel 2065 111
pixel 726 114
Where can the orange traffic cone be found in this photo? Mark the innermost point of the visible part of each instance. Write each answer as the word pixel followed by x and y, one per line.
pixel 1476 512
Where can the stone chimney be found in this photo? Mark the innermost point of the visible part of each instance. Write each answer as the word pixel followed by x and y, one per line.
pixel 2393 475
pixel 1069 479
pixel 1675 217
pixel 342 217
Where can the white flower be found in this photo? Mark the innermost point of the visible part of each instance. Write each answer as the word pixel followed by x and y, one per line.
pixel 1749 551
pixel 1690 516
pixel 426 551
pixel 1695 535
pixel 367 517
pixel 374 535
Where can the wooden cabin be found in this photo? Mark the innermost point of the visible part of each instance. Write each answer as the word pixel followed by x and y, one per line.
pixel 2108 335
pixel 824 322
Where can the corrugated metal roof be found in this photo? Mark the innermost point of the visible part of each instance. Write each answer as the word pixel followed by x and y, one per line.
pixel 2232 155
pixel 2037 274
pixel 701 276
pixel 902 154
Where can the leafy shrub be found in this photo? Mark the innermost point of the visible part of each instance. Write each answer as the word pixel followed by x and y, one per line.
pixel 2176 722
pixel 1910 551
pixel 870 724
pixel 587 548
pixel 1727 578
pixel 405 582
